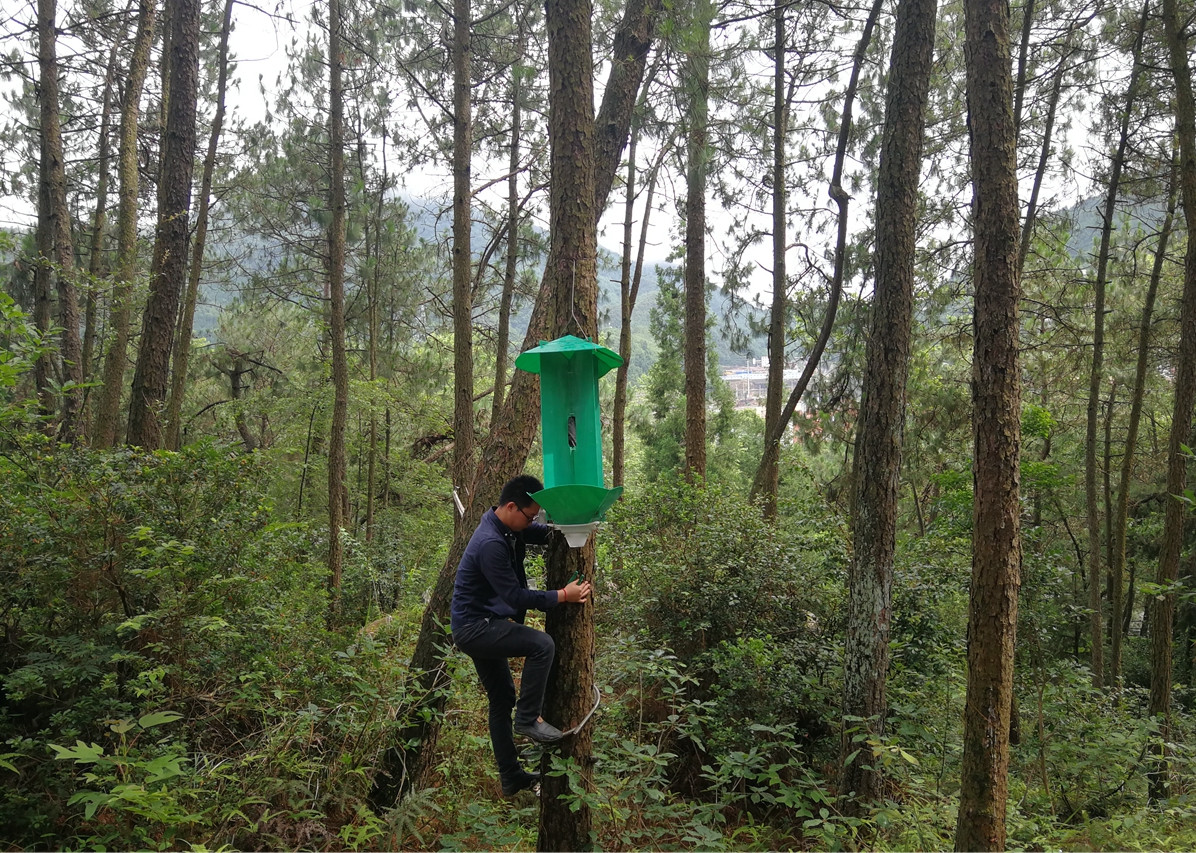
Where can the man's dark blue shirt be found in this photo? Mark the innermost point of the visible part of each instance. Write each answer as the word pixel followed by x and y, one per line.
pixel 491 581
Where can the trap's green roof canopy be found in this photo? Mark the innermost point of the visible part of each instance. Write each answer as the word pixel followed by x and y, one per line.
pixel 607 359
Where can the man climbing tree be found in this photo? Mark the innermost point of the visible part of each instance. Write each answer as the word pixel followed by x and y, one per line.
pixel 490 602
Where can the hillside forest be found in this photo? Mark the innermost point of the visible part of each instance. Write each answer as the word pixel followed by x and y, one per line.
pixel 929 583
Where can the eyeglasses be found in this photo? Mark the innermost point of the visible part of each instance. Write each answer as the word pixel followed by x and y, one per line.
pixel 530 518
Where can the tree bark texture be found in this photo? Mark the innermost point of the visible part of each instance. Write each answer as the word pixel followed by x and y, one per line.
pixel 338 492
pixel 463 426
pixel 182 347
pixel 770 468
pixel 696 77
pixel 58 220
pixel 574 251
pixel 169 265
pixel 107 411
pixel 99 220
pixel 1163 615
pixel 877 463
pixel 996 400
pixel 629 56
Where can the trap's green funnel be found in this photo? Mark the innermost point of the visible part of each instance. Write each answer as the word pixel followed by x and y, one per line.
pixel 577 503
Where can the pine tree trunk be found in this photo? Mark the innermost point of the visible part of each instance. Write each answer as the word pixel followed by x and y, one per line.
pixel 107 410
pixel 338 493
pixel 877 472
pixel 463 422
pixel 182 346
pixel 58 220
pixel 770 471
pixel 169 266
pixel 573 251
pixel 502 341
pixel 99 220
pixel 1163 615
pixel 696 77
pixel 996 397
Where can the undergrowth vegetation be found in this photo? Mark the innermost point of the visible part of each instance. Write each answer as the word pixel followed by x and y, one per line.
pixel 172 679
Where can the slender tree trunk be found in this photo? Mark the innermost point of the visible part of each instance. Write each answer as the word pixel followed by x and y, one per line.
pixel 99 221
pixel 629 289
pixel 770 472
pixel 1120 524
pixel 1096 377
pixel 43 298
pixel 877 463
pixel 53 171
pixel 772 439
pixel 375 292
pixel 182 345
pixel 996 396
pixel 1163 616
pixel 696 75
pixel 505 450
pixel 338 492
pixel 463 425
pixel 1023 61
pixel 169 267
pixel 107 410
pixel 1044 159
pixel 511 271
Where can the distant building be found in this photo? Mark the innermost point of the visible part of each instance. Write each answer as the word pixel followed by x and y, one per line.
pixel 749 383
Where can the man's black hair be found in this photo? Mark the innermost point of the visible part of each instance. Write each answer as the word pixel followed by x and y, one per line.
pixel 520 489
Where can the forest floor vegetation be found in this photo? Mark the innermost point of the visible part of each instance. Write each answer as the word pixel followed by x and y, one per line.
pixel 171 681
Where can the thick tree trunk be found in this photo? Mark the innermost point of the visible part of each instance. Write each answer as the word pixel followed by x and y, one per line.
pixel 877 463
pixel 996 395
pixel 107 410
pixel 338 492
pixel 169 266
pixel 182 346
pixel 574 252
pixel 58 220
pixel 1163 615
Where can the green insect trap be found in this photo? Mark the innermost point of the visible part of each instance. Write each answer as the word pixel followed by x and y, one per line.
pixel 574 496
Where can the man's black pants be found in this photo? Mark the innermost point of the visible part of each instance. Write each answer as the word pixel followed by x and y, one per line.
pixel 490 643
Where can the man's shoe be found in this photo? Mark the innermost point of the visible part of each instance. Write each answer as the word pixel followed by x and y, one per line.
pixel 528 780
pixel 539 731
